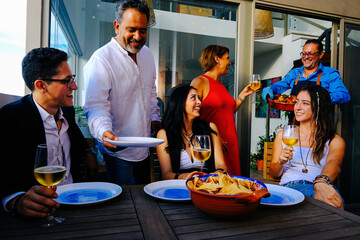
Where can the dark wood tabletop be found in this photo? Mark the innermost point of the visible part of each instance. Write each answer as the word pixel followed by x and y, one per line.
pixel 135 215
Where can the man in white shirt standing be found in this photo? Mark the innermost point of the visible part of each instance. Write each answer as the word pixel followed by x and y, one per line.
pixel 121 94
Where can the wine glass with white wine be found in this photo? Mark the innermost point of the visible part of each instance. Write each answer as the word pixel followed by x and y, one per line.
pixel 290 137
pixel 255 85
pixel 255 82
pixel 49 170
pixel 202 148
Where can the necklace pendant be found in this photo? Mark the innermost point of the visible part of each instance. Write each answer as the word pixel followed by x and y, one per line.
pixel 305 170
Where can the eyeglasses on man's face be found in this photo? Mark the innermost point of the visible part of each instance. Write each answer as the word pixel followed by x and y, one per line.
pixel 69 80
pixel 310 54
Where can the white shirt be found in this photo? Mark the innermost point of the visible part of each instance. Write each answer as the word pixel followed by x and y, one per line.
pixel 295 173
pixel 121 96
pixel 52 138
pixel 185 161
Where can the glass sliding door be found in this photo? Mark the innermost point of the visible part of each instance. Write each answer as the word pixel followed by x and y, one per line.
pixel 182 30
pixel 350 181
pixel 274 57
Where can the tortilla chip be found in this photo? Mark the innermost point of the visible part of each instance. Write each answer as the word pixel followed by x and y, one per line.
pixel 222 184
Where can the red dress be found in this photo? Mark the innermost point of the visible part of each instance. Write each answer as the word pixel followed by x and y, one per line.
pixel 218 107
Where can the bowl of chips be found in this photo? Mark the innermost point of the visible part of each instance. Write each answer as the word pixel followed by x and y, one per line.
pixel 225 196
pixel 283 102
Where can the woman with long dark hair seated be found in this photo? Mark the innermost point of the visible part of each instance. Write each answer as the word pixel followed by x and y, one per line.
pixel 181 122
pixel 318 155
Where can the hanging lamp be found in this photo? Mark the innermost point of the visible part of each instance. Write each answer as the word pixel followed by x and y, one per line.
pixel 152 20
pixel 263 26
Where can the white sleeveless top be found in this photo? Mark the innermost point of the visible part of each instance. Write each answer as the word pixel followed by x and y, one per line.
pixel 185 161
pixel 295 173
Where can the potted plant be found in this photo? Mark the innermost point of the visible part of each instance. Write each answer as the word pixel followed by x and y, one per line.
pixel 253 160
pixel 259 155
pixel 256 161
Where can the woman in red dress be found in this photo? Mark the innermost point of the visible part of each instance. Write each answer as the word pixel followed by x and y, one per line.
pixel 218 106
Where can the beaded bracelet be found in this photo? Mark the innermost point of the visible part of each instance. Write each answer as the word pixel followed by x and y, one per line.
pixel 324 177
pixel 221 170
pixel 320 180
pixel 324 181
pixel 240 98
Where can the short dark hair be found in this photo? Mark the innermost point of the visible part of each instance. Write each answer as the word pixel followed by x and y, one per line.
pixel 41 63
pixel 207 58
pixel 139 5
pixel 319 44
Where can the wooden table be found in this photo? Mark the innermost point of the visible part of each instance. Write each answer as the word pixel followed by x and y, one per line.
pixel 135 215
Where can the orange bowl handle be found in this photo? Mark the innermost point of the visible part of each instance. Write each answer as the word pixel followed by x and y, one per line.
pixel 253 197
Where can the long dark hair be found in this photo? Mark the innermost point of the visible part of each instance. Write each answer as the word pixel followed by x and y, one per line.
pixel 173 123
pixel 323 116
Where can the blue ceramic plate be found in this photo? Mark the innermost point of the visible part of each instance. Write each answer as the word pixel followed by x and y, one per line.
pixel 282 196
pixel 87 193
pixel 169 190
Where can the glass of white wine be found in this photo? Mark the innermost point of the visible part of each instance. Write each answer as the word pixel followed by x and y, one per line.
pixel 202 148
pixel 255 82
pixel 290 137
pixel 49 170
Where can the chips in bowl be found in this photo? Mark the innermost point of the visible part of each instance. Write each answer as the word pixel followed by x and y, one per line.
pixel 226 196
pixel 222 184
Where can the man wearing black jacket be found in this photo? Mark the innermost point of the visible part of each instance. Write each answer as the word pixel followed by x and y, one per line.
pixel 46 116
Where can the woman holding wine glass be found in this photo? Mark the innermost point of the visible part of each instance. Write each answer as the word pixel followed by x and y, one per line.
pixel 184 134
pixel 317 156
pixel 290 138
pixel 218 106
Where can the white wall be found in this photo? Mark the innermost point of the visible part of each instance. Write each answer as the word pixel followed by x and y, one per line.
pixel 267 65
pixel 194 24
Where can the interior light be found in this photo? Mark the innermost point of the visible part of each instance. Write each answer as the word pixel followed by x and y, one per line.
pixel 263 26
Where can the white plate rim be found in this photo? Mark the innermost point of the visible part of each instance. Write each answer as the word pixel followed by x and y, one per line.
pixel 297 195
pixel 114 188
pixel 149 188
pixel 136 141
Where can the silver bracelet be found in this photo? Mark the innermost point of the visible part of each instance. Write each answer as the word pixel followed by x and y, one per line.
pixel 240 98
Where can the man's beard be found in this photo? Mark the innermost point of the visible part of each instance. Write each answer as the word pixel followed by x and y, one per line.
pixel 131 49
pixel 310 65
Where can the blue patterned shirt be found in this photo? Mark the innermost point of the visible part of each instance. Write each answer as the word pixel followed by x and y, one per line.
pixel 330 80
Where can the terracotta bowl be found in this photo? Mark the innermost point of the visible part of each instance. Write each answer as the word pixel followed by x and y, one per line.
pixel 226 206
pixel 280 105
